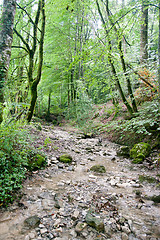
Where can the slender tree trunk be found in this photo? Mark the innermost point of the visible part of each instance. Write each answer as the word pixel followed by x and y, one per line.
pixel 6 38
pixel 159 54
pixel 129 87
pixel 129 108
pixel 144 34
pixel 49 105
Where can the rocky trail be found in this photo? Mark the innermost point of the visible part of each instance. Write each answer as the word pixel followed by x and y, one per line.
pixel 71 202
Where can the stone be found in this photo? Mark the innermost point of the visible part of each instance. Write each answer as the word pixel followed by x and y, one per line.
pixel 65 158
pixel 124 236
pixel 75 215
pixel 139 152
pixel 27 237
pixel 43 230
pixel 94 221
pixel 125 229
pixel 123 151
pixel 98 169
pixel 73 233
pixel 35 160
pixel 32 235
pixel 32 222
pixel 155 199
pixel 80 226
pixel 57 222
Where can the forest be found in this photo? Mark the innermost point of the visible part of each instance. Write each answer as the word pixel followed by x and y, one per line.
pixel 90 67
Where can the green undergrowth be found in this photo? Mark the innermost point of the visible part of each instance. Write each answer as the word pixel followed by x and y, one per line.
pixel 17 157
pixel 142 126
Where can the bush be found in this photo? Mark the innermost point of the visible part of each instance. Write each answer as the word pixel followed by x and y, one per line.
pixel 144 125
pixel 15 156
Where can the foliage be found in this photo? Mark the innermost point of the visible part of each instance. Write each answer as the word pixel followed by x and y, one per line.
pixel 15 158
pixel 147 117
pixel 12 171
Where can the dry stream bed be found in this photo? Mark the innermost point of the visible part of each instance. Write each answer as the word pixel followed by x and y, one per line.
pixel 59 197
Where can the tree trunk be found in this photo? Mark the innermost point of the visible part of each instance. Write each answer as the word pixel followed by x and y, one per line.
pixel 49 105
pixel 34 82
pixel 129 87
pixel 159 55
pixel 32 103
pixel 129 108
pixel 144 34
pixel 6 38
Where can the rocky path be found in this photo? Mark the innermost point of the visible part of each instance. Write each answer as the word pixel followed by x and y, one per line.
pixel 70 202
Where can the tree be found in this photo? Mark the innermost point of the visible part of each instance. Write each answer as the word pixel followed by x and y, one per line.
pixel 111 62
pixel 31 50
pixel 144 33
pixel 159 54
pixel 6 38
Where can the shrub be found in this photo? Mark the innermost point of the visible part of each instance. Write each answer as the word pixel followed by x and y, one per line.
pixel 15 157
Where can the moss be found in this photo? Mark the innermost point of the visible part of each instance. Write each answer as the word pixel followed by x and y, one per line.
pixel 140 151
pixel 156 199
pixel 34 160
pixel 148 179
pixel 98 169
pixel 65 158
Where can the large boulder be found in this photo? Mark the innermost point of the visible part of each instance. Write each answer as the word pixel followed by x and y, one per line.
pixel 139 152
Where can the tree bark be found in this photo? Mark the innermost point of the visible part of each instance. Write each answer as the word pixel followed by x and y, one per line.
pixel 6 38
pixel 159 55
pixel 144 34
pixel 34 82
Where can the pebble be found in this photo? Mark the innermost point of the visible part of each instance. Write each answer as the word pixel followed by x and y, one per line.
pixel 57 222
pixel 43 230
pixel 124 236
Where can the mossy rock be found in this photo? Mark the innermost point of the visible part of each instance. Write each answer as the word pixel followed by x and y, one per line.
pixel 156 199
pixel 98 169
pixel 139 152
pixel 37 162
pixel 65 158
pixel 94 221
pixel 32 222
pixel 123 151
pixel 33 160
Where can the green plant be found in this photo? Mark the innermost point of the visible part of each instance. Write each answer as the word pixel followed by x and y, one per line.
pixel 12 170
pixel 16 157
pixel 144 123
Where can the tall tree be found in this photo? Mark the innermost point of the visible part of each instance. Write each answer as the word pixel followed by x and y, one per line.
pixel 144 33
pixel 6 38
pixel 110 59
pixel 159 54
pixel 34 80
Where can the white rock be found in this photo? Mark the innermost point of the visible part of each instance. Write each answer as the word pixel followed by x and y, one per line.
pixel 60 230
pixel 73 233
pixel 32 235
pixel 75 215
pixel 27 237
pixel 57 222
pixel 126 229
pixel 43 230
pixel 41 226
pixel 124 236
